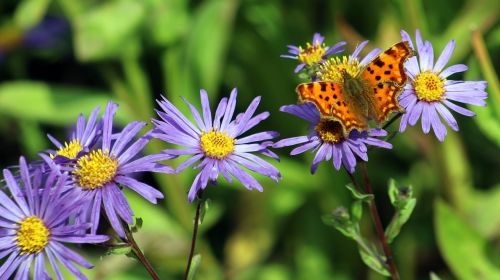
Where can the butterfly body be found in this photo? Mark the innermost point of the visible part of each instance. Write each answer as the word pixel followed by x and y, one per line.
pixel 369 94
pixel 357 91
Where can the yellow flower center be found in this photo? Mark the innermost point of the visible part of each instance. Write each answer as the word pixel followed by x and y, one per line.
pixel 330 131
pixel 216 144
pixel 331 70
pixel 429 87
pixel 32 235
pixel 70 150
pixel 312 54
pixel 95 169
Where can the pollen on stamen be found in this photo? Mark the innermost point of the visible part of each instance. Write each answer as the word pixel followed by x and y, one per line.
pixel 312 54
pixel 32 235
pixel 69 150
pixel 95 169
pixel 330 131
pixel 429 87
pixel 216 144
pixel 331 70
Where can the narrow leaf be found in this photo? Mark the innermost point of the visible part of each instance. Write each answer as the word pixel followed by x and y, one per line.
pixel 373 262
pixel 404 204
pixel 195 264
pixel 358 195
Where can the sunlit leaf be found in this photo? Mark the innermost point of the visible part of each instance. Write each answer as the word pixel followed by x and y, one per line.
pixel 120 250
pixel 461 246
pixel 30 12
pixel 434 276
pixel 103 33
pixel 173 13
pixel 56 105
pixel 482 211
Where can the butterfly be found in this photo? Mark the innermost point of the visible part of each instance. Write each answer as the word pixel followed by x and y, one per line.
pixel 371 94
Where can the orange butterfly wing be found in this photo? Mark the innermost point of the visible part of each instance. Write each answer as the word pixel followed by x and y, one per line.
pixel 329 99
pixel 387 77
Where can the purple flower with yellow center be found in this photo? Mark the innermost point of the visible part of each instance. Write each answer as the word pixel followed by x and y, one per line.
pixel 314 53
pixel 34 226
pixel 429 94
pixel 328 141
pixel 81 140
pixel 99 174
pixel 215 144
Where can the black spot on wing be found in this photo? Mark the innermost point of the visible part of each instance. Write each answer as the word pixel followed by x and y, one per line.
pixel 379 62
pixel 323 87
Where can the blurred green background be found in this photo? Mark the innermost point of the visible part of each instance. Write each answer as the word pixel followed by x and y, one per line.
pixel 62 57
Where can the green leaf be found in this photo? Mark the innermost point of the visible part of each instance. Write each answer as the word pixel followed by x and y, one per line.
pixel 123 249
pixel 204 209
pixel 356 211
pixel 30 12
pixel 199 62
pixel 37 101
pixel 404 203
pixel 33 138
pixel 195 264
pixel 341 220
pixel 475 14
pixel 488 117
pixel 434 276
pixel 482 211
pixel 373 262
pixel 357 195
pixel 172 13
pixel 137 225
pixel 461 246
pixel 103 32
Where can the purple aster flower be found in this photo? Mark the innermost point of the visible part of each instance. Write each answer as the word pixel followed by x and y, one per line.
pixel 34 225
pixel 314 53
pixel 332 69
pixel 99 174
pixel 84 136
pixel 327 140
pixel 214 143
pixel 430 94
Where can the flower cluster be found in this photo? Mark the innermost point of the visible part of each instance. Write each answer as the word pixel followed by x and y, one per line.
pixel 61 198
pixel 427 93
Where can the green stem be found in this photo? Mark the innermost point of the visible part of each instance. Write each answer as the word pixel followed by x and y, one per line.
pixel 358 238
pixel 195 234
pixel 138 253
pixel 378 224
